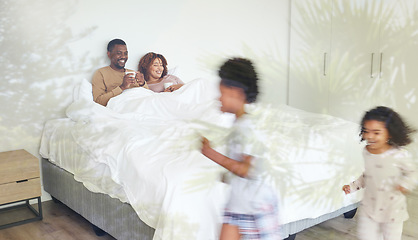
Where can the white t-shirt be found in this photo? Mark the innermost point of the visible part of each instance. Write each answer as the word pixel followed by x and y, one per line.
pixel 250 195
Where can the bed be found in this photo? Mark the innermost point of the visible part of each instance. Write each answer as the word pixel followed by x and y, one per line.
pixel 134 170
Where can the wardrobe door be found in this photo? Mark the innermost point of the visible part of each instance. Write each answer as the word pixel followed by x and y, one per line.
pixel 310 44
pixel 399 60
pixel 355 57
pixel 399 53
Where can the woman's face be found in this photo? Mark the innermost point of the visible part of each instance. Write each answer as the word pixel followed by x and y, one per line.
pixel 156 69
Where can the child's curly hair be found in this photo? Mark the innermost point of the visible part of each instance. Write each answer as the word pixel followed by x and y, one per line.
pixel 240 72
pixel 399 131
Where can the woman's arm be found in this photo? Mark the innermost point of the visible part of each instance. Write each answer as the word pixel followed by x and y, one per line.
pixel 239 168
pixel 173 88
pixel 177 83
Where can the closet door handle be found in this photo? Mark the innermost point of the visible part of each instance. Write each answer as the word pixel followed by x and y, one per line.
pixel 371 66
pixel 381 60
pixel 325 64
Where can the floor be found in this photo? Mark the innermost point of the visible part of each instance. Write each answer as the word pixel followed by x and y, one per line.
pixel 341 228
pixel 59 223
pixel 62 223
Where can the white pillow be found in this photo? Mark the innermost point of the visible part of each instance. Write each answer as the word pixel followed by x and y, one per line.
pixel 83 91
pixel 175 72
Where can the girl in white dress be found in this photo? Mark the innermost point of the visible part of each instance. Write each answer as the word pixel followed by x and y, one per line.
pixel 389 174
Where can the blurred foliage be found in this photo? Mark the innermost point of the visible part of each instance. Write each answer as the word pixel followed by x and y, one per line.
pixel 38 69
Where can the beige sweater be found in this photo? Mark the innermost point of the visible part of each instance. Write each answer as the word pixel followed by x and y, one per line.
pixel 106 84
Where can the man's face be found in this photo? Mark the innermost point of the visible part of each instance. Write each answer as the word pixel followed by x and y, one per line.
pixel 118 56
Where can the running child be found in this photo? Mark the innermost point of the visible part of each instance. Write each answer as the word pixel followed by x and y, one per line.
pixel 251 212
pixel 389 174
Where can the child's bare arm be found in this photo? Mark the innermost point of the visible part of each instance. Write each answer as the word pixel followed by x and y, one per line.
pixel 236 167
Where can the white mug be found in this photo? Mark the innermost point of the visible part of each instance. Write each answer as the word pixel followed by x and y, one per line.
pixel 130 72
pixel 168 84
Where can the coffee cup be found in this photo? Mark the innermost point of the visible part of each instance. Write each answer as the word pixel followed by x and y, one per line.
pixel 168 84
pixel 131 73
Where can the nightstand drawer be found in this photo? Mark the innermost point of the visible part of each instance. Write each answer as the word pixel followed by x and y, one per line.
pixel 18 165
pixel 19 181
pixel 11 192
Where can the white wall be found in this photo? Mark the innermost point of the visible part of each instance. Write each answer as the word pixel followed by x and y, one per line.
pixel 48 46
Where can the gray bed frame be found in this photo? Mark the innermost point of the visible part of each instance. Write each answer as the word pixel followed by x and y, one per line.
pixel 111 215
pixel 119 219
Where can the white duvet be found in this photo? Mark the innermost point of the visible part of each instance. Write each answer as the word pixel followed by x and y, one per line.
pixel 150 142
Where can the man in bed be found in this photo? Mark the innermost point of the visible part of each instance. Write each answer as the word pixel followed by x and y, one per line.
pixel 111 80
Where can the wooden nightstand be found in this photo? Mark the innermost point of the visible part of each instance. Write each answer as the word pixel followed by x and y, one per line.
pixel 19 181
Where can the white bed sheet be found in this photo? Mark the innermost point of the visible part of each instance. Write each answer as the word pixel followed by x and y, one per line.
pixel 58 146
pixel 149 143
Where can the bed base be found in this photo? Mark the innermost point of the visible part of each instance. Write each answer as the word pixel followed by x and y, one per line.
pixel 291 229
pixel 120 219
pixel 109 214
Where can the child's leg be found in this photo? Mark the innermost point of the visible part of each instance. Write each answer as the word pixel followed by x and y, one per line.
pixel 268 225
pixel 367 228
pixel 392 231
pixel 229 232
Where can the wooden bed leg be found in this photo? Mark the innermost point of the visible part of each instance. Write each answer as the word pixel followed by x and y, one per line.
pixel 98 231
pixel 291 237
pixel 350 214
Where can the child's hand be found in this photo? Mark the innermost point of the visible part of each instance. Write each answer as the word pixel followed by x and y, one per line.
pixel 346 189
pixel 205 145
pixel 402 189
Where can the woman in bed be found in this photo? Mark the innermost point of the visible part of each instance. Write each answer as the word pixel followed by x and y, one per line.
pixel 154 68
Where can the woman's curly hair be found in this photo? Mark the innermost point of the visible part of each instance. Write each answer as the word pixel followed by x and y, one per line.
pixel 146 61
pixel 240 72
pixel 399 131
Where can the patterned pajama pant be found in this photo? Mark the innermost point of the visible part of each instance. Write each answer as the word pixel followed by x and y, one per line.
pixel 255 227
pixel 368 229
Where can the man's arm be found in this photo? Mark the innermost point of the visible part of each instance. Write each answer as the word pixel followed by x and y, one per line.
pixel 99 89
pixel 103 93
pixel 140 80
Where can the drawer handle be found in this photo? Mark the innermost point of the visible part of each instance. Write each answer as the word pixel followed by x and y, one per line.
pixel 21 181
